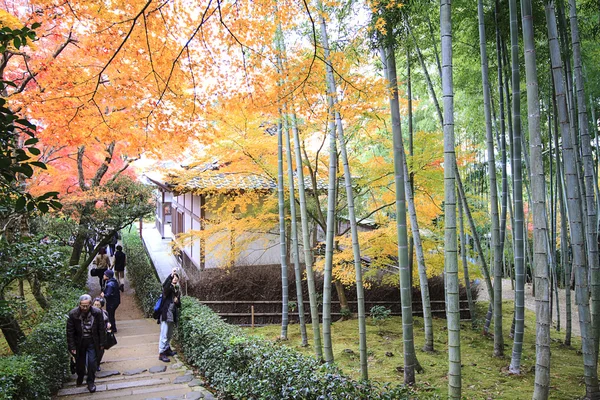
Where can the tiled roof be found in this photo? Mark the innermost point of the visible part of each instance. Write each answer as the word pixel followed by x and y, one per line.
pixel 214 180
pixel 209 180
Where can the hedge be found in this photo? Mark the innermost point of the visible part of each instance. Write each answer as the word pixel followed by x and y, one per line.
pixel 140 272
pixel 239 366
pixel 43 364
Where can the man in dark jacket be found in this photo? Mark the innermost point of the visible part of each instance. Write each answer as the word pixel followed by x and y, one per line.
pixel 112 295
pixel 120 259
pixel 86 336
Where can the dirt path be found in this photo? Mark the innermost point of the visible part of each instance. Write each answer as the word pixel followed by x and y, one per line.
pixel 508 294
pixel 128 309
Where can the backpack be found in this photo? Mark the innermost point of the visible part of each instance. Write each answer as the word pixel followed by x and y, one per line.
pixel 157 308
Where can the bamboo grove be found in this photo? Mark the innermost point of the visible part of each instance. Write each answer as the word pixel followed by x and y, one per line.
pixel 466 130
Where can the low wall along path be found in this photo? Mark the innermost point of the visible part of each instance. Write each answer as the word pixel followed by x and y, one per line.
pixel 131 369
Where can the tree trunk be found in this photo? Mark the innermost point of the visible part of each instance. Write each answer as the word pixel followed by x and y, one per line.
pixel 588 175
pixel 360 298
pixel 294 234
pixel 538 201
pixel 564 239
pixel 427 77
pixel 515 363
pixel 13 334
pixel 282 241
pixel 450 242
pixel 401 227
pixel 495 226
pixel 574 212
pixel 504 197
pixel 331 203
pixel 36 290
pixel 463 252
pixel 308 259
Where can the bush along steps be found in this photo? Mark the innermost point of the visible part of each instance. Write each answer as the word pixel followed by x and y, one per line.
pixel 43 364
pixel 239 366
pixel 141 273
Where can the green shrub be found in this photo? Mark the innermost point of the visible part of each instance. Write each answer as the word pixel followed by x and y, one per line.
pixel 19 379
pixel 240 366
pixel 43 364
pixel 140 272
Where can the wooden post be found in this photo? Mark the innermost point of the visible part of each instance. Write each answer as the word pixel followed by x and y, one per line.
pixel 252 315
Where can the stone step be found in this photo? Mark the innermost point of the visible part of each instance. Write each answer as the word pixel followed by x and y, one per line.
pixel 127 352
pixel 129 340
pixel 139 393
pixel 169 373
pixel 126 364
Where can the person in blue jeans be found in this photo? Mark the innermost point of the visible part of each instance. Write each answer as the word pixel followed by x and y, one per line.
pixel 112 295
pixel 86 336
pixel 169 312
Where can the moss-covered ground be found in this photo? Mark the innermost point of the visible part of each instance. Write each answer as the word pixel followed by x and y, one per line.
pixel 26 310
pixel 484 376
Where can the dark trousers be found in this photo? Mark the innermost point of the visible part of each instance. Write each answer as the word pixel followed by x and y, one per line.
pixel 113 248
pixel 101 280
pixel 111 316
pixel 86 356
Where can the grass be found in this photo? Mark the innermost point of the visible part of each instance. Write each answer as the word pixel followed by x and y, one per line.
pixel 483 376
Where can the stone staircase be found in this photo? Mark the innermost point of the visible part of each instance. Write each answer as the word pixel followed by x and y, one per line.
pixel 131 370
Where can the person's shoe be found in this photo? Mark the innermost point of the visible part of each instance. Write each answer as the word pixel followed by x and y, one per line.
pixel 91 387
pixel 122 287
pixel 170 352
pixel 79 380
pixel 98 369
pixel 114 330
pixel 163 357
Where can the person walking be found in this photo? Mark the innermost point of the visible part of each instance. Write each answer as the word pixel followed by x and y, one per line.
pixel 99 304
pixel 86 336
pixel 102 262
pixel 113 242
pixel 112 296
pixel 119 267
pixel 169 313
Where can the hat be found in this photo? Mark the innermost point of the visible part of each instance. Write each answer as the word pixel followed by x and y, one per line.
pixel 110 273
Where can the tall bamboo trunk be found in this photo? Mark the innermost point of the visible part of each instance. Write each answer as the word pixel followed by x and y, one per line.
pixel 495 226
pixel 282 241
pixel 294 234
pixel 538 201
pixel 588 175
pixel 502 147
pixel 307 246
pixel 331 194
pixel 564 240
pixel 484 268
pixel 327 271
pixel 360 297
pixel 427 77
pixel 515 363
pixel 422 270
pixel 574 212
pixel 450 243
pixel 401 227
pixel 463 253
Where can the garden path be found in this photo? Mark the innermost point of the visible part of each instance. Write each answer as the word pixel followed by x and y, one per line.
pixel 509 294
pixel 131 369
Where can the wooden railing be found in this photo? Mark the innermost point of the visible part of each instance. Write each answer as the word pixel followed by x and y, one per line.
pixel 250 315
